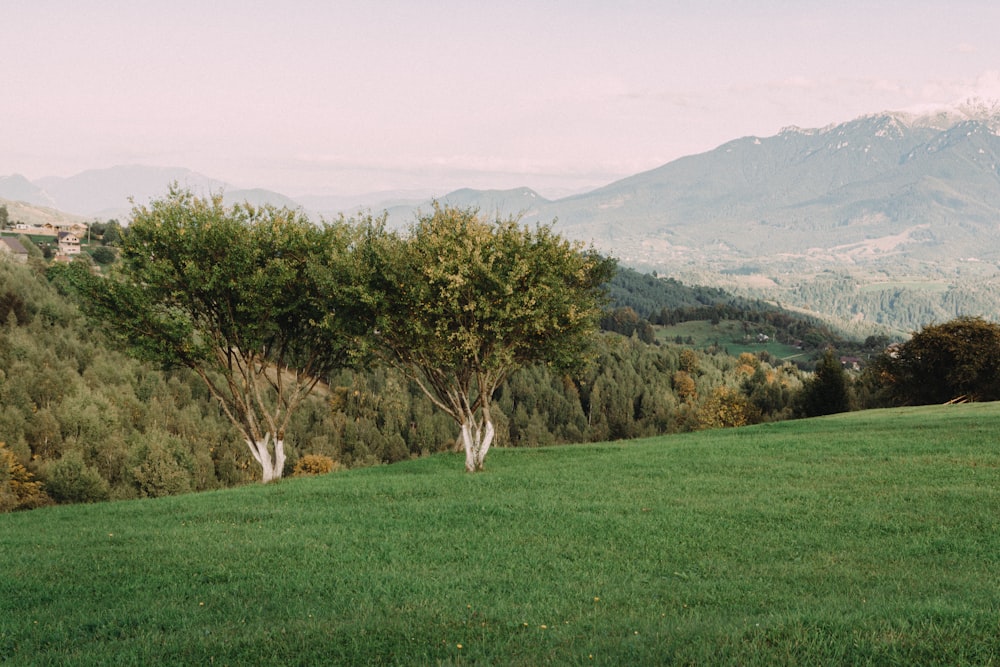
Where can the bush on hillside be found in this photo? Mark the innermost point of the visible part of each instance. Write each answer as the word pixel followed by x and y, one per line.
pixel 314 464
pixel 18 489
pixel 71 480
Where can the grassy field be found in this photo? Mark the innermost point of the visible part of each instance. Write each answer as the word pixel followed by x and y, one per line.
pixel 869 538
pixel 728 334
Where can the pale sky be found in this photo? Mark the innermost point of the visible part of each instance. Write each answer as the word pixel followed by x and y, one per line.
pixel 345 97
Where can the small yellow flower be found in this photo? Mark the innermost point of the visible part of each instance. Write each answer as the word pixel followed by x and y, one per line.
pixel 544 627
pixel 458 646
pixel 597 599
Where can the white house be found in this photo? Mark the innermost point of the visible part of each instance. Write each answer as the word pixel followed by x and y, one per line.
pixel 69 243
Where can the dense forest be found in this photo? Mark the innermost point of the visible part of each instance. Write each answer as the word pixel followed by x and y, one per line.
pixel 897 300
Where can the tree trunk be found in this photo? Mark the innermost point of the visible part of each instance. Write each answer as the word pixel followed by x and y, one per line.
pixel 476 440
pixel 271 469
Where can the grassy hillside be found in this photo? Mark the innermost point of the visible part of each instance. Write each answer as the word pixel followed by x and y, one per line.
pixel 871 537
pixel 730 335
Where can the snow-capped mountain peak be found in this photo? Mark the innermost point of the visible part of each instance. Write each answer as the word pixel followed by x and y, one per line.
pixel 945 116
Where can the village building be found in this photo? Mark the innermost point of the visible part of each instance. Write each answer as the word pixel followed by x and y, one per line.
pixel 69 243
pixel 14 249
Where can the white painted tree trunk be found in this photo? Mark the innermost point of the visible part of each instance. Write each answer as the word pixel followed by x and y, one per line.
pixel 477 441
pixel 271 468
pixel 279 458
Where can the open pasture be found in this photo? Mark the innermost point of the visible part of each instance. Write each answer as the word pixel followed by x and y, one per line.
pixel 866 538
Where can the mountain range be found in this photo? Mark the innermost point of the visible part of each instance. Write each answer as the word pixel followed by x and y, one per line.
pixel 921 186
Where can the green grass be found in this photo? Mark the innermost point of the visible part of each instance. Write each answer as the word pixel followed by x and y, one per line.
pixel 870 538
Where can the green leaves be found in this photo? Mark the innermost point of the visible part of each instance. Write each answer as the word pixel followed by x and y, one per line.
pixel 959 359
pixel 251 295
pixel 464 301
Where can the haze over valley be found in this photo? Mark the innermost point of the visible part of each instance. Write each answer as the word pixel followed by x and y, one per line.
pixel 892 211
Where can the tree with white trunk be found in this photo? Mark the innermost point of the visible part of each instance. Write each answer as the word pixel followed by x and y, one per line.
pixel 232 293
pixel 461 302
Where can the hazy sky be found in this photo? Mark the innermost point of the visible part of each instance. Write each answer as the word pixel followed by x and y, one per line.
pixel 350 97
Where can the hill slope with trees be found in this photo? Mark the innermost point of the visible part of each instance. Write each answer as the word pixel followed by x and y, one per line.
pixel 89 423
pixel 93 424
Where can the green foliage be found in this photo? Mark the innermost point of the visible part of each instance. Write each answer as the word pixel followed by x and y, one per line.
pixel 103 255
pixel 71 480
pixel 862 539
pixel 649 295
pixel 959 359
pixel 63 389
pixel 462 302
pixel 625 321
pixel 827 391
pixel 110 232
pixel 638 301
pixel 240 295
pixel 37 249
pixel 147 432
pixel 163 466
pixel 915 294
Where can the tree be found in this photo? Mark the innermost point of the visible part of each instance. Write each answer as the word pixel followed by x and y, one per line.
pixel 111 234
pixel 463 301
pixel 103 255
pixel 4 217
pixel 826 392
pixel 232 293
pixel 943 362
pixel 726 408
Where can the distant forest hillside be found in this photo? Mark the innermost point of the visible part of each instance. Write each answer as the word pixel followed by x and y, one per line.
pixel 648 300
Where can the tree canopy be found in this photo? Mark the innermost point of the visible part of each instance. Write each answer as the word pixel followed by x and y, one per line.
pixel 959 359
pixel 233 294
pixel 462 301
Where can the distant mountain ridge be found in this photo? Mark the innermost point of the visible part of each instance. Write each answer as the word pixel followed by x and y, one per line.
pixel 921 184
pixel 108 193
pixel 871 188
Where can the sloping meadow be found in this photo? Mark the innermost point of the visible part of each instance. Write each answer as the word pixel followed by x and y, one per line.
pixel 871 537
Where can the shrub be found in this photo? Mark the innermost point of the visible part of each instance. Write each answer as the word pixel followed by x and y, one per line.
pixel 18 491
pixel 162 467
pixel 71 480
pixel 314 464
pixel 104 255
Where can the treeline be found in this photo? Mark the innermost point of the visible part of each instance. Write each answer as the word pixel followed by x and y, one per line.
pixel 638 302
pixel 92 424
pixel 901 306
